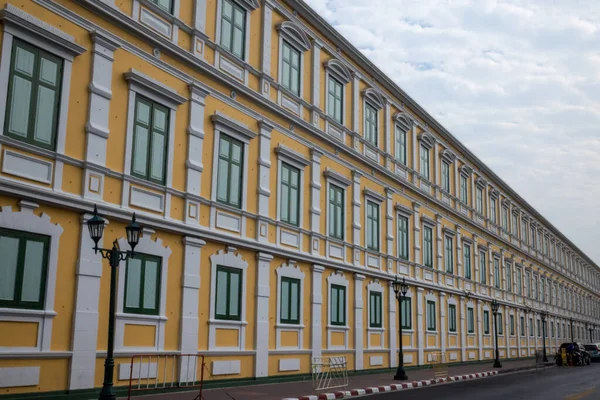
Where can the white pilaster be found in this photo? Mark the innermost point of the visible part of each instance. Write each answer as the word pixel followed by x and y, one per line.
pixel 443 324
pixel 355 103
pixel 263 289
pixel 358 322
pixel 456 185
pixel 317 310
pixel 417 236
pixel 414 161
pixel 264 176
pixel 387 127
pixel 389 216
pixel 315 199
pixel 436 171
pixel 265 63
pixel 480 328
pixel 356 225
pixel 392 318
pixel 420 331
pixel 316 80
pixel 200 15
pixel 85 320
pixel 463 329
pixel 190 285
pixel 439 245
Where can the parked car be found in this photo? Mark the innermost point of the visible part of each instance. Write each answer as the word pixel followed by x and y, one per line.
pixel 580 355
pixel 594 350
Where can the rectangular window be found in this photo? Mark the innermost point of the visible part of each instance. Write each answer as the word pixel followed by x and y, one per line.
pixel 515 224
pixel 470 321
pixel 24 267
pixel 431 320
pixel 228 304
pixel 375 310
pixel 493 210
pixel 445 177
pixel 403 237
pixel 370 124
pixel 401 144
pixel 482 267
pixel 338 305
pixel 142 285
pixel 479 200
pixel 508 272
pixel 524 231
pixel 467 261
pixel 448 256
pixel 424 162
pixel 545 245
pixel 166 5
pixel 522 326
pixel 229 172
pixel 335 99
pixel 533 241
pixel 451 318
pixel 290 301
pixel 33 102
pixel 505 218
pixel 406 313
pixel 233 28
pixel 551 329
pixel 290 68
pixel 519 281
pixel 528 282
pixel 150 129
pixel 372 226
pixel 486 322
pixel 464 190
pixel 531 327
pixel 539 330
pixel 497 273
pixel 427 247
pixel 499 321
pixel 512 325
pixel 290 194
pixel 541 292
pixel 336 212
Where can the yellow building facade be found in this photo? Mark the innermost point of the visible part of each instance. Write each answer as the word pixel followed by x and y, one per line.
pixel 282 181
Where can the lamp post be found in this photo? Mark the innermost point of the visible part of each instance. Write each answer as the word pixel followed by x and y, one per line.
pixel 114 257
pixel 543 315
pixel 495 306
pixel 571 320
pixel 400 288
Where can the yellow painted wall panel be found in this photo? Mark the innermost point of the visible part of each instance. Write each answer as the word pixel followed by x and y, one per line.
pixel 18 334
pixel 289 339
pixel 227 337
pixel 255 39
pixel 471 341
pixel 53 374
pixel 406 339
pixel 375 339
pixel 113 189
pixel 139 335
pixel 453 341
pixel 430 340
pixel 72 179
pixel 337 339
pixel 177 208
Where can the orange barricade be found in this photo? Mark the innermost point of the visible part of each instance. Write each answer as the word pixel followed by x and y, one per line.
pixel 166 371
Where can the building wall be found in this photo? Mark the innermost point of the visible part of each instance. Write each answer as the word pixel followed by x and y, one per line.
pixel 116 51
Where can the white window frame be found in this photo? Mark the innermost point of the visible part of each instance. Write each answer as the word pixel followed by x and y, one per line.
pixel 153 248
pixel 449 236
pixel 373 99
pixel 296 160
pixel 227 258
pixel 375 286
pixel 342 182
pixel 404 214
pixel 289 270
pixel 470 307
pixel 295 37
pixel 23 26
pixel 401 122
pixel 25 220
pixel 336 69
pixel 337 278
pixel 431 226
pixel 377 199
pixel 430 297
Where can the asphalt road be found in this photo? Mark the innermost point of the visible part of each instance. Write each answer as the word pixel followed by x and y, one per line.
pixel 575 383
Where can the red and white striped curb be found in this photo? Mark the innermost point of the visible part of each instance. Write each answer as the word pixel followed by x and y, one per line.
pixel 393 387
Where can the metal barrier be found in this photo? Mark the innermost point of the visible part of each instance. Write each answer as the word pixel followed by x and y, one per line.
pixel 439 365
pixel 329 373
pixel 539 360
pixel 166 371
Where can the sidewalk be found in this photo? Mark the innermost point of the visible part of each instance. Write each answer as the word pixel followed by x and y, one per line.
pixel 298 389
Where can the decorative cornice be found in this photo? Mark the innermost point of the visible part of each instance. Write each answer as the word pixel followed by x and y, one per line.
pixel 151 84
pixel 221 119
pixel 291 154
pixel 294 34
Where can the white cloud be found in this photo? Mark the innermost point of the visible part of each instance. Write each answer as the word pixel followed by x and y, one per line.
pixel 517 81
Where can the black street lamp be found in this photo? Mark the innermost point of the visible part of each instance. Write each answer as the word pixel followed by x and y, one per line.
pixel 571 319
pixel 495 306
pixel 114 256
pixel 400 288
pixel 544 314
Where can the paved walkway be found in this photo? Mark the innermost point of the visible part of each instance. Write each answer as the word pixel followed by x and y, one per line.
pixel 278 391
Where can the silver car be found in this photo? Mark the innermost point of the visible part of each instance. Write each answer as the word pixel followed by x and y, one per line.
pixel 594 350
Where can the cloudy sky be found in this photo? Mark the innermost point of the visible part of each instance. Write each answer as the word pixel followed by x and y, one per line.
pixel 518 82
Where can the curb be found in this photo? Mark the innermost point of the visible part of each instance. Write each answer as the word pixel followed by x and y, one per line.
pixel 391 388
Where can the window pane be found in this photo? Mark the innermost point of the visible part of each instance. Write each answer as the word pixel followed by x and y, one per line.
pixel 341 306
pixel 33 268
pixel 225 32
pixel 157 166
pixel 150 284
pixel 48 69
pixel 294 206
pixel 140 154
pixel 238 42
pixel 285 299
pixel 159 119
pixel 294 300
pixel 134 276
pixel 234 295
pixel 221 306
pixel 236 152
pixel 44 124
pixel 143 113
pixel 19 107
pixel 234 187
pixel 333 306
pixel 24 61
pixel 8 254
pixel 222 180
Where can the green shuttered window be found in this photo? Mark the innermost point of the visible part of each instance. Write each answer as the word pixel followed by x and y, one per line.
pixel 150 139
pixel 338 305
pixel 290 68
pixel 371 124
pixel 229 175
pixel 166 5
pixel 451 318
pixel 142 285
pixel 290 194
pixel 23 269
pixel 470 320
pixel 336 212
pixel 431 319
pixel 33 101
pixel 228 304
pixel 403 237
pixel 372 226
pixel 486 322
pixel 233 28
pixel 406 313
pixel 375 305
pixel 290 301
pixel 427 247
pixel 335 101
